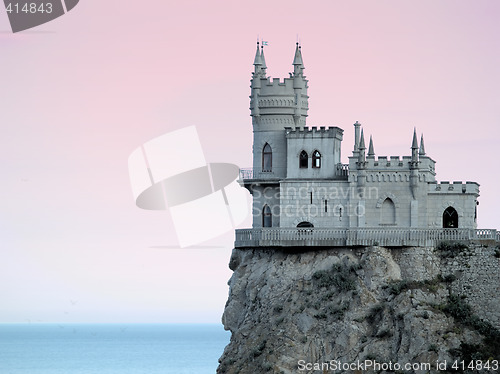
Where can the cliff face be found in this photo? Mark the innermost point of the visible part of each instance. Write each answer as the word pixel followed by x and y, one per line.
pixel 292 312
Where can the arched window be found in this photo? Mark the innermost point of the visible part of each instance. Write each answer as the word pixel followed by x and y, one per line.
pixel 450 218
pixel 388 213
pixel 303 159
pixel 267 217
pixel 267 158
pixel 305 224
pixel 316 159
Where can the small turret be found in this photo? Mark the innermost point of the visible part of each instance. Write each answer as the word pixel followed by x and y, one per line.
pixel 298 64
pixel 371 152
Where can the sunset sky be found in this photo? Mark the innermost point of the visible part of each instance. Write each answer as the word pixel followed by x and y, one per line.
pixel 80 93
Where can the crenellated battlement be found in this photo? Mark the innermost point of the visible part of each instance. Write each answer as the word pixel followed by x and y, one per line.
pixel 458 187
pixel 314 132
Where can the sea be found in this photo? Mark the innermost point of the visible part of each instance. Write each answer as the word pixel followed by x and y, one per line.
pixel 111 348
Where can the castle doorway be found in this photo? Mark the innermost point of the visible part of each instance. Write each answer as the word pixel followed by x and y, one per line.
pixel 450 218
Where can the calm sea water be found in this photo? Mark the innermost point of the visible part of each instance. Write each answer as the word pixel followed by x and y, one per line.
pixel 111 348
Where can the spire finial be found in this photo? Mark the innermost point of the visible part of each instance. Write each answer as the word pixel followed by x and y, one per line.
pixel 371 152
pixel 422 146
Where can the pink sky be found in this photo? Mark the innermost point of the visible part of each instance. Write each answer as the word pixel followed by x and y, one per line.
pixel 79 94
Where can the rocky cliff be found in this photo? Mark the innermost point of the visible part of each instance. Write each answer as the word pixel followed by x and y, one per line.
pixel 319 311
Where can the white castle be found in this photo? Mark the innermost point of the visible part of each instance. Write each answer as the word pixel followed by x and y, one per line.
pixel 304 196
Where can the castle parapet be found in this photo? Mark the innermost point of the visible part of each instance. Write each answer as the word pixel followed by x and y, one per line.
pixel 314 132
pixel 456 187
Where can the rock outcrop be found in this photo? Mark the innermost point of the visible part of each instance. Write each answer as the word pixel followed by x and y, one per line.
pixel 318 311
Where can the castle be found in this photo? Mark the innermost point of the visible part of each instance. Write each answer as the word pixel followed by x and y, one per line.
pixel 304 196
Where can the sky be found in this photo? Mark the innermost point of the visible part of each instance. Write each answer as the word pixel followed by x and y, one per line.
pixel 81 93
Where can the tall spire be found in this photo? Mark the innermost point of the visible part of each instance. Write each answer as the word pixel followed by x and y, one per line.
pixel 298 64
pixel 263 59
pixel 422 146
pixel 371 152
pixel 362 141
pixel 414 150
pixel 257 62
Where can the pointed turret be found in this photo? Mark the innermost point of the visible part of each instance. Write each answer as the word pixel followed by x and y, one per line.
pixel 414 149
pixel 262 58
pixel 298 64
pixel 414 144
pixel 257 62
pixel 371 152
pixel 362 146
pixel 421 152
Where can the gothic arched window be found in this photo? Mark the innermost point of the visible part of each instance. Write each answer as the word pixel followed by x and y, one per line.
pixel 267 217
pixel 316 159
pixel 267 158
pixel 303 160
pixel 450 218
pixel 388 213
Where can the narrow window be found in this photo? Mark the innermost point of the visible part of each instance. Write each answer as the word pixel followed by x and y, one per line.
pixel 267 218
pixel 267 158
pixel 303 158
pixel 316 160
pixel 311 194
pixel 326 206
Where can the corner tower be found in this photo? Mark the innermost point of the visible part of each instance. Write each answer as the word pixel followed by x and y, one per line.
pixel 274 105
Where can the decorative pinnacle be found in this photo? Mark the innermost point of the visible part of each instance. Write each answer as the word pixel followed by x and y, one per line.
pixel 414 144
pixel 422 146
pixel 362 141
pixel 371 152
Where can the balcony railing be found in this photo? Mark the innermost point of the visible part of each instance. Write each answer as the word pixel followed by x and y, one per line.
pixel 390 237
pixel 341 172
pixel 258 173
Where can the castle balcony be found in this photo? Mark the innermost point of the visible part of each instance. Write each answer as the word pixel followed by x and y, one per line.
pixel 250 176
pixel 387 237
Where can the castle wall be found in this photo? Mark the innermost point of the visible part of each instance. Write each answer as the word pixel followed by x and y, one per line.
pixel 461 196
pixel 297 205
pixel 326 141
pixel 277 141
pixel 265 195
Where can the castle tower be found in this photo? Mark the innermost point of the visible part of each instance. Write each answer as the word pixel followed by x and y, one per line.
pixel 274 105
